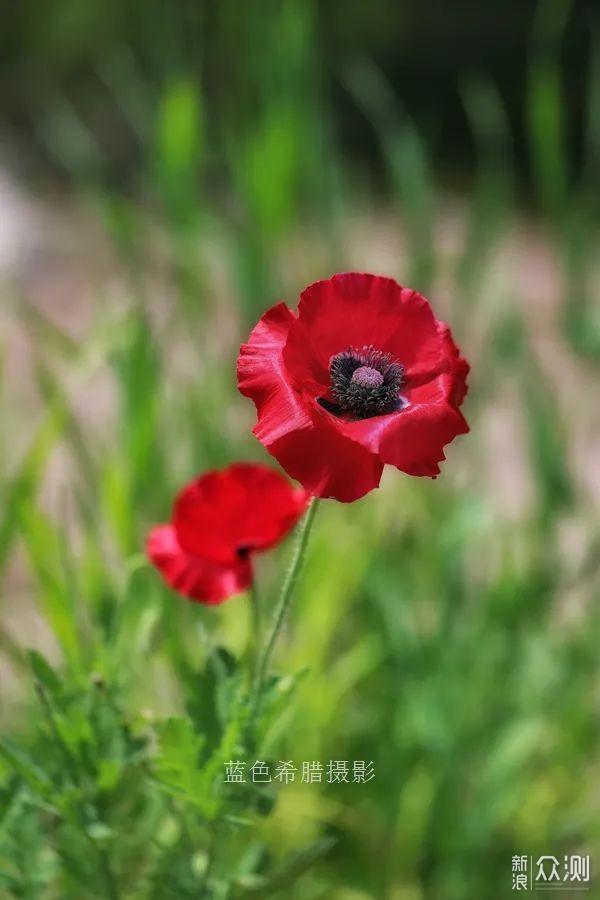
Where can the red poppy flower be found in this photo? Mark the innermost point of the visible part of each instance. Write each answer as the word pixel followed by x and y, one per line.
pixel 218 521
pixel 363 375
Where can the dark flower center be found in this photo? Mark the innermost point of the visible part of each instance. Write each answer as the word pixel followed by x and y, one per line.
pixel 364 383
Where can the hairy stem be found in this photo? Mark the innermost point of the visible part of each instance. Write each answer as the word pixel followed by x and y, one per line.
pixel 255 612
pixel 285 596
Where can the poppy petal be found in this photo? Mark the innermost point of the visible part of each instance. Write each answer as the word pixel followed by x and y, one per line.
pixel 326 462
pixel 445 370
pixel 262 377
pixel 244 508
pixel 196 578
pixel 293 430
pixel 356 309
pixel 412 439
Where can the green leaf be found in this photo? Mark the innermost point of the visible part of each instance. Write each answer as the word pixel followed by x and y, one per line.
pixel 55 596
pixel 24 484
pixel 286 873
pixel 44 672
pixel 25 766
pixel 179 150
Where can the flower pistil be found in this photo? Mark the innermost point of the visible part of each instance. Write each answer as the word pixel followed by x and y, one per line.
pixel 364 383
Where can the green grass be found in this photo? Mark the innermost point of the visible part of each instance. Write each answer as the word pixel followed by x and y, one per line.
pixel 445 635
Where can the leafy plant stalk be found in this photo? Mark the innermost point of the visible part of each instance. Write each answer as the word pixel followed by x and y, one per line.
pixel 112 889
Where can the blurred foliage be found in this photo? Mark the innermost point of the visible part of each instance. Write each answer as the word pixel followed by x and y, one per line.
pixel 452 644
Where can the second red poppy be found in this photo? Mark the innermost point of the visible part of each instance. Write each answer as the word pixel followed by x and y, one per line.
pixel 219 521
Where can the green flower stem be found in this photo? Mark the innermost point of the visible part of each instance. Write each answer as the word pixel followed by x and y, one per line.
pixel 255 613
pixel 287 590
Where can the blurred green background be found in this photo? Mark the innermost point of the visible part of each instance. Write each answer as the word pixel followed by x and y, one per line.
pixel 167 172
